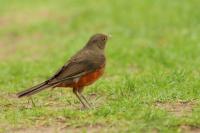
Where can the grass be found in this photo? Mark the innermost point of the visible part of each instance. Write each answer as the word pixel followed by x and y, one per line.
pixel 153 57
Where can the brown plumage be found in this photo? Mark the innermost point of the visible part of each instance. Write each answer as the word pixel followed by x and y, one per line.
pixel 83 69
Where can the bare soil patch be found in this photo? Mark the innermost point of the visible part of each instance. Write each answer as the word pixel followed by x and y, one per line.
pixel 6 50
pixel 9 49
pixel 189 129
pixel 179 108
pixel 60 128
pixel 30 17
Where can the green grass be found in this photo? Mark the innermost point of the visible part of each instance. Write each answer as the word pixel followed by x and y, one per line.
pixel 153 57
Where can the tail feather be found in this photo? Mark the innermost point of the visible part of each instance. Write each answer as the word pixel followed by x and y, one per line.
pixel 34 89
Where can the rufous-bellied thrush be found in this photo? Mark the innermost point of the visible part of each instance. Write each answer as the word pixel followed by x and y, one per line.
pixel 83 69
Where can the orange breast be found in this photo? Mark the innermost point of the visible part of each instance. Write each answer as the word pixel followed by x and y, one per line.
pixel 84 80
pixel 88 78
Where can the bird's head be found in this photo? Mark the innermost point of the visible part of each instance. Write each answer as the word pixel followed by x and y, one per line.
pixel 98 41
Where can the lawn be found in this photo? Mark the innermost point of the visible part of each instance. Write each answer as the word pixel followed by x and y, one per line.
pixel 152 77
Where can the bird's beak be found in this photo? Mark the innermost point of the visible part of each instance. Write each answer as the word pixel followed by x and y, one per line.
pixel 109 36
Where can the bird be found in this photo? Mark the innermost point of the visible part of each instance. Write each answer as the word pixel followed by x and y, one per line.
pixel 81 70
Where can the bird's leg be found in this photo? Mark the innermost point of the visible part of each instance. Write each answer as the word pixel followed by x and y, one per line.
pixel 80 93
pixel 75 91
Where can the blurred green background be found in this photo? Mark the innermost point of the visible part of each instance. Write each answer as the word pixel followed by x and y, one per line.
pixel 152 77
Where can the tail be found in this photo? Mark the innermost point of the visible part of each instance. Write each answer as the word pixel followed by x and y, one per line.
pixel 34 89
